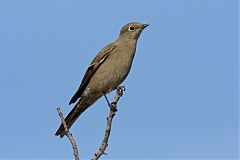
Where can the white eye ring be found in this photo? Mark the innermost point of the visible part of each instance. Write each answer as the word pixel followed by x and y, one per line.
pixel 131 28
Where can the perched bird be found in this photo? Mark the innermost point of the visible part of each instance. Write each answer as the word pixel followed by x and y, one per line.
pixel 106 72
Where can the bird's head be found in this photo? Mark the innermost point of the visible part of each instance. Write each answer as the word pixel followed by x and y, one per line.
pixel 132 30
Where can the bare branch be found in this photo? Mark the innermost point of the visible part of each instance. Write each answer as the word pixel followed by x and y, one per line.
pixel 69 135
pixel 113 110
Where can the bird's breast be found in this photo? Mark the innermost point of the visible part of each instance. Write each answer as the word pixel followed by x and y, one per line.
pixel 113 70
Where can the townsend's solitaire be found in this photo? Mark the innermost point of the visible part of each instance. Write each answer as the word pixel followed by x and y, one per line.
pixel 106 72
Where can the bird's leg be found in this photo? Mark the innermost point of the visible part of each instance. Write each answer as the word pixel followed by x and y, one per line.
pixel 107 100
pixel 112 107
pixel 120 90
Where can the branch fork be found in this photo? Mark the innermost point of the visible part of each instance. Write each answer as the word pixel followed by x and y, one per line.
pixel 103 146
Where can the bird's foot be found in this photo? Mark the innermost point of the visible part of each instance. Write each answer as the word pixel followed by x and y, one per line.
pixel 121 89
pixel 113 107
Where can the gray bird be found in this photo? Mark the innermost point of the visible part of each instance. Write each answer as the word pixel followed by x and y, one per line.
pixel 106 72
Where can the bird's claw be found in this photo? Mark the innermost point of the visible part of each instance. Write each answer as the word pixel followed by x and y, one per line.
pixel 113 107
pixel 121 89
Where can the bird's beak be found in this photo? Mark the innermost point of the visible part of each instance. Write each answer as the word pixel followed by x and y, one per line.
pixel 144 26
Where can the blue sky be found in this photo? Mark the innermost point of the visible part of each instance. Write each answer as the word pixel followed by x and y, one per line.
pixel 182 96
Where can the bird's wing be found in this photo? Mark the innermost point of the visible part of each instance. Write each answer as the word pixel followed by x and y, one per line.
pixel 95 64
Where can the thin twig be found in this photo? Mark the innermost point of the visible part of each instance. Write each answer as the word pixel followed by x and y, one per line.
pixel 69 135
pixel 112 113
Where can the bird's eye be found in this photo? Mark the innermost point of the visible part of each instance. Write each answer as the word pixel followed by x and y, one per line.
pixel 131 28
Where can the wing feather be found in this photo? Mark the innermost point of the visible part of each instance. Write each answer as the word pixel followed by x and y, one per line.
pixel 95 64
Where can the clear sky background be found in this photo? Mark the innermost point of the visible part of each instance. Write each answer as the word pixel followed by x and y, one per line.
pixel 181 100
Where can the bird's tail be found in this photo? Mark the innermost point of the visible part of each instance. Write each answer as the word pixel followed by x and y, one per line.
pixel 72 117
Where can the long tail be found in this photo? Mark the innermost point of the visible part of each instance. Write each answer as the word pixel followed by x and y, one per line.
pixel 71 118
